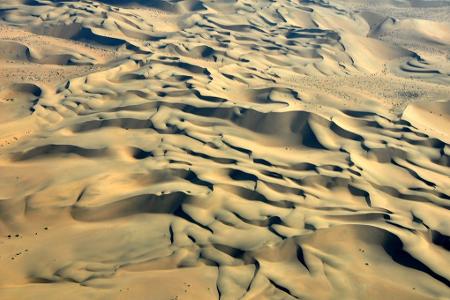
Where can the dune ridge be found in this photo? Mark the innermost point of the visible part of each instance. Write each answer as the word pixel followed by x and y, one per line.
pixel 241 149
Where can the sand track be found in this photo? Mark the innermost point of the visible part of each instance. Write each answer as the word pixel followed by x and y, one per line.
pixel 223 150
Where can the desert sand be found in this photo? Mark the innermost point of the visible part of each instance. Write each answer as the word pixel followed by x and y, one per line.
pixel 224 149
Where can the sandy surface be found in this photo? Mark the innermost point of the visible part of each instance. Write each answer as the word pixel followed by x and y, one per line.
pixel 201 149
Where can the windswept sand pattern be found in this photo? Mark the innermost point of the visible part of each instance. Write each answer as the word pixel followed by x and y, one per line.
pixel 202 149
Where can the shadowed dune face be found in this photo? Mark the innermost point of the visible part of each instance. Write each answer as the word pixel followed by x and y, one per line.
pixel 224 149
pixel 18 100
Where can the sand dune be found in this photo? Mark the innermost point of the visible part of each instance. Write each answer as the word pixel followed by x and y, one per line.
pixel 202 149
